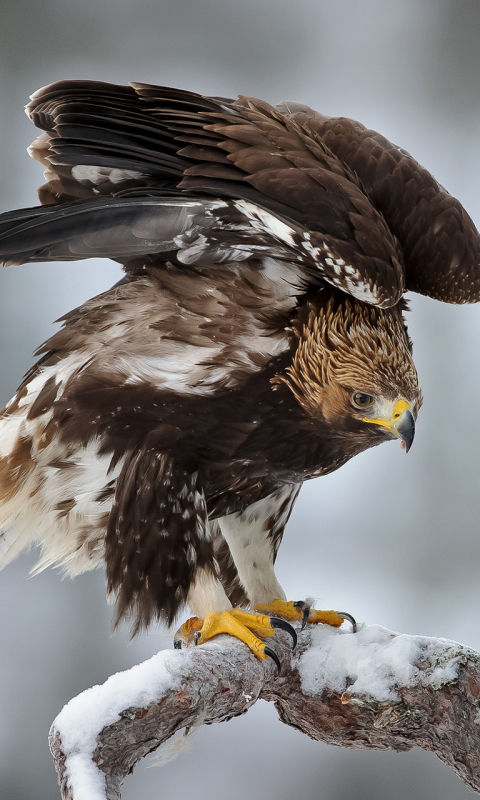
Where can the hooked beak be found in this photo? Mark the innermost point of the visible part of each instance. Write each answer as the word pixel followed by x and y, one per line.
pixel 401 424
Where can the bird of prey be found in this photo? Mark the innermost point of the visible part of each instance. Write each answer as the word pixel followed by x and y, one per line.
pixel 256 341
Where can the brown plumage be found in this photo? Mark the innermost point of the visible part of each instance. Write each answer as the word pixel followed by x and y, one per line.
pixel 257 341
pixel 333 355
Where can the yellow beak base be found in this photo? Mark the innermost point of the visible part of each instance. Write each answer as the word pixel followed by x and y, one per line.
pixel 401 424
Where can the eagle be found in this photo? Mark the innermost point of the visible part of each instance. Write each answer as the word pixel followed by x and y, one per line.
pixel 256 341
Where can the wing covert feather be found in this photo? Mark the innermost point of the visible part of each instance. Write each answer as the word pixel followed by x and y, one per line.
pixel 439 240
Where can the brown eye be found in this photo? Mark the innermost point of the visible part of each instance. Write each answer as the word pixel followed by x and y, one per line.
pixel 362 400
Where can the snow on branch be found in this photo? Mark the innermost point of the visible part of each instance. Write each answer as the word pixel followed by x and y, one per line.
pixel 374 688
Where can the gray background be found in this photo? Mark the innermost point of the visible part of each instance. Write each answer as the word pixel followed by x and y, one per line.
pixel 391 538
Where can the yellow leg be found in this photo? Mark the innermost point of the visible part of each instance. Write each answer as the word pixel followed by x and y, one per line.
pixel 301 612
pixel 240 624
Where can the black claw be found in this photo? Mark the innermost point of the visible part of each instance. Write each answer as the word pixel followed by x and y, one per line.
pixel 306 614
pixel 275 622
pixel 301 605
pixel 344 615
pixel 196 636
pixel 177 645
pixel 272 654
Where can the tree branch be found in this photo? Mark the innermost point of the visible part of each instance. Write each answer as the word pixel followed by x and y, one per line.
pixel 373 689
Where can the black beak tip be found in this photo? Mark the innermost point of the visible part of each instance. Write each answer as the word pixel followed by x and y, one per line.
pixel 406 429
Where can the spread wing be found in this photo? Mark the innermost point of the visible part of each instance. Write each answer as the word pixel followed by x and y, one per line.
pixel 156 171
pixel 205 180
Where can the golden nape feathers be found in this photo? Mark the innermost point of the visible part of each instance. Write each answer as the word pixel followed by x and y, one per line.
pixel 344 346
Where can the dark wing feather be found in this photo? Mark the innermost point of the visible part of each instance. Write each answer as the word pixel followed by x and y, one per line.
pixel 107 140
pixel 440 242
pixel 359 209
pixel 119 228
pixel 123 228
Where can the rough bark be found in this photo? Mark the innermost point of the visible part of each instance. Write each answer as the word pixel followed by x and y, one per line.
pixel 437 710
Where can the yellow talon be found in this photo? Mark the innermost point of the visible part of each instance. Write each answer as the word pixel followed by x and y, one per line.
pixel 326 617
pixel 239 624
pixel 282 608
pixel 295 612
pixel 227 622
pixel 257 623
pixel 190 627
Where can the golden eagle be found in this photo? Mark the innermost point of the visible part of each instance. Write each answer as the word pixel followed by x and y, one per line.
pixel 256 341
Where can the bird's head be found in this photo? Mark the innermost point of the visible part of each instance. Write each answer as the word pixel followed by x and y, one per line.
pixel 353 371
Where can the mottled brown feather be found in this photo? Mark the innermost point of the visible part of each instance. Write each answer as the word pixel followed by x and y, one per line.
pixel 221 372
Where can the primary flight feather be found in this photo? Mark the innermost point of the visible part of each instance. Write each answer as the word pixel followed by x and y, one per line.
pixel 256 341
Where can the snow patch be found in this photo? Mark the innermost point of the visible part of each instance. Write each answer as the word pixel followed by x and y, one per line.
pixel 84 717
pixel 374 662
pixel 84 775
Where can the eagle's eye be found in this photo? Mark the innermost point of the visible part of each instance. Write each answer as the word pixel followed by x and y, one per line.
pixel 362 400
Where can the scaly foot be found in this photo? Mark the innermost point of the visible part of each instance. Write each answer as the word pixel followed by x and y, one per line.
pixel 302 611
pixel 241 624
